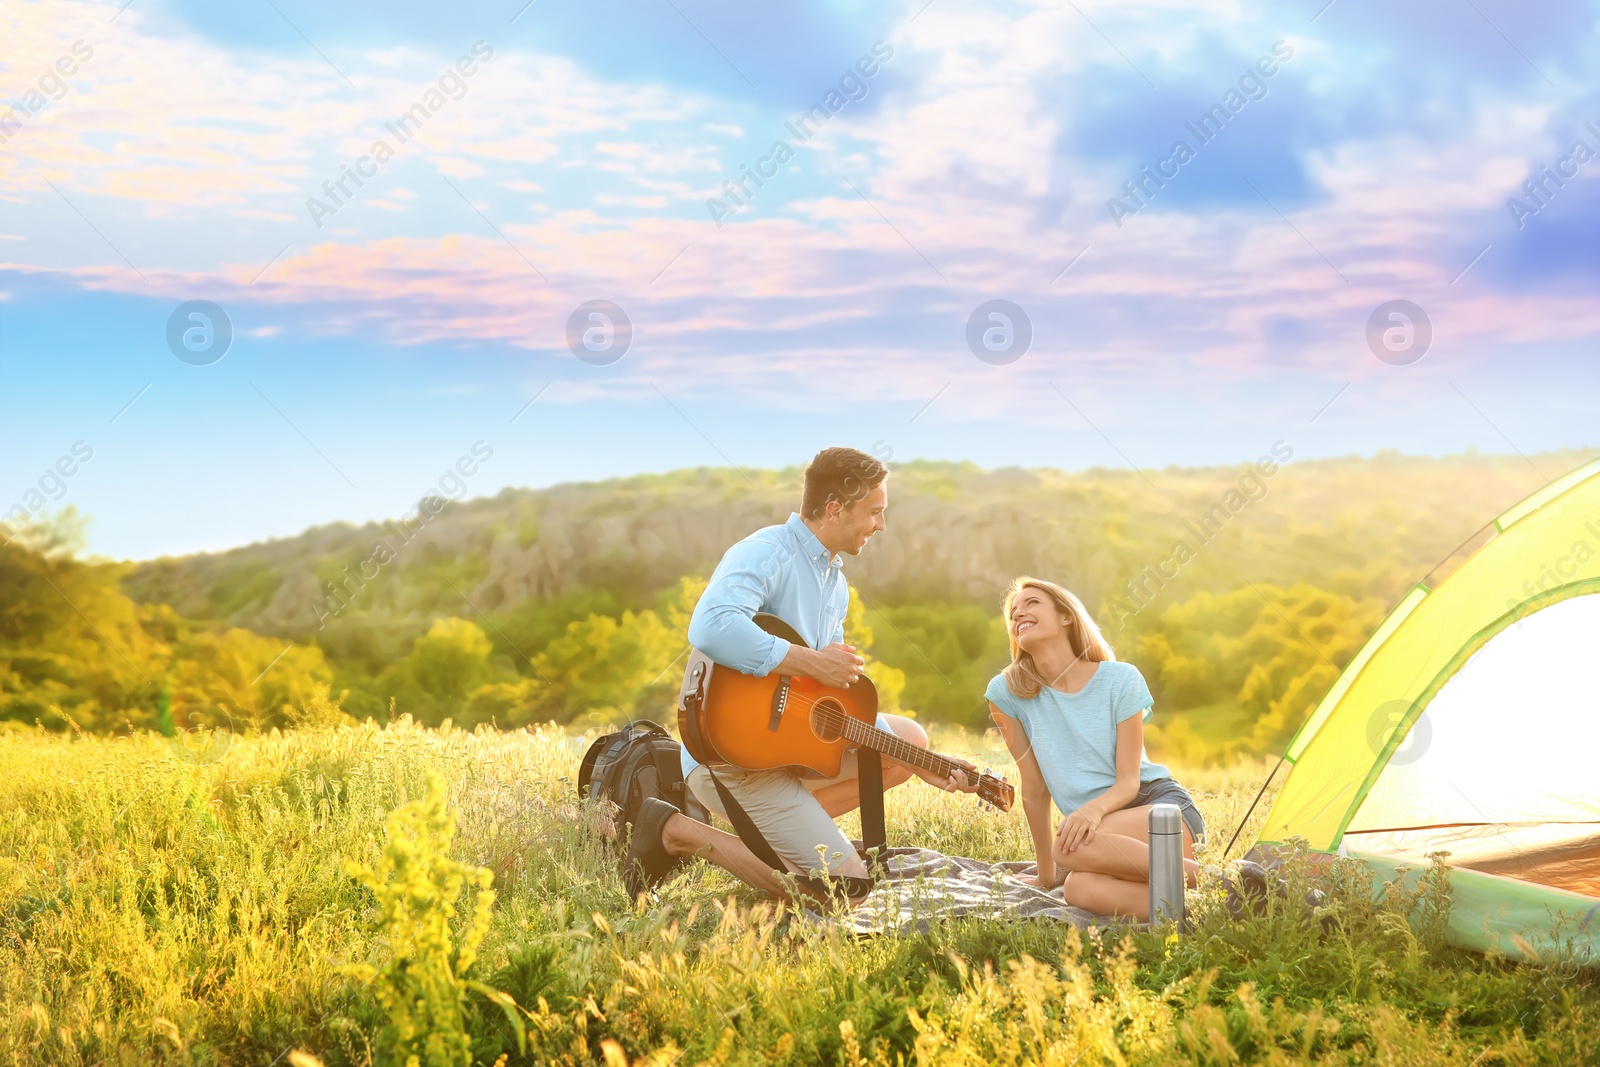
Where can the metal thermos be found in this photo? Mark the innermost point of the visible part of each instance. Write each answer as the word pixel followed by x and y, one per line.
pixel 1166 863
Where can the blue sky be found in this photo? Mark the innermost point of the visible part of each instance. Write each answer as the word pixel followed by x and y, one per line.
pixel 566 152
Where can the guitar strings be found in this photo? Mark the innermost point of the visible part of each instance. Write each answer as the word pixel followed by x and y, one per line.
pixel 943 764
pixel 894 746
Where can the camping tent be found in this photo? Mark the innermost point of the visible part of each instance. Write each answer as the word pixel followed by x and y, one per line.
pixel 1470 722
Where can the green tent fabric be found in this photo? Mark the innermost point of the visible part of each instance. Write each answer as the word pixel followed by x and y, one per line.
pixel 1470 722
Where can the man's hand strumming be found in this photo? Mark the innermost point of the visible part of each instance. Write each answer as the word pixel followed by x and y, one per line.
pixel 837 665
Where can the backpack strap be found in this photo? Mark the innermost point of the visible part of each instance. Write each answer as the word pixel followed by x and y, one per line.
pixel 757 843
pixel 669 773
pixel 630 776
pixel 586 768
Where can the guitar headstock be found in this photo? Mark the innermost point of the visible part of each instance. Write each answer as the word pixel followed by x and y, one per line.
pixel 996 791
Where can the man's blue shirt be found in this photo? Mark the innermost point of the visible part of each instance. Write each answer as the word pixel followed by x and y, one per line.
pixel 782 570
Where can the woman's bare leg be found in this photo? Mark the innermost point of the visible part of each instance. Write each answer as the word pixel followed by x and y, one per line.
pixel 1116 855
pixel 1119 856
pixel 1135 823
pixel 1105 895
pixel 1110 875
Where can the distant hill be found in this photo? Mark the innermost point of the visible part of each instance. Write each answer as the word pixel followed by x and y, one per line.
pixel 956 532
pixel 1239 592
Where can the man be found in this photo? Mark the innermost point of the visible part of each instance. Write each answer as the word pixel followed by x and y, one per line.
pixel 791 570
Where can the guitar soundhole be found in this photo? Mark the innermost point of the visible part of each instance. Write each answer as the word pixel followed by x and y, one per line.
pixel 827 720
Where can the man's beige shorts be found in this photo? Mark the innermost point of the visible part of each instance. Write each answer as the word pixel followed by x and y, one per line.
pixel 780 803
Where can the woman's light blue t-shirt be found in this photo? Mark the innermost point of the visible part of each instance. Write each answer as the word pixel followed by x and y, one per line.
pixel 1074 735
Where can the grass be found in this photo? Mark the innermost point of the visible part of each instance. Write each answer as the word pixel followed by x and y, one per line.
pixel 163 902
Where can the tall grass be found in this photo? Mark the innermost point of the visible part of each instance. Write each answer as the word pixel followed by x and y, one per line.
pixel 163 902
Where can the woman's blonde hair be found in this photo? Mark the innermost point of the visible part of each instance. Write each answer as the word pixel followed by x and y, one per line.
pixel 1022 677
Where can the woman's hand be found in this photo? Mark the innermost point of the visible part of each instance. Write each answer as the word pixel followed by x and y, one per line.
pixel 1078 829
pixel 1044 879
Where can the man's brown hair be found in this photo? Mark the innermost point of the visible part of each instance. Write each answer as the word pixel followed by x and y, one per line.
pixel 842 474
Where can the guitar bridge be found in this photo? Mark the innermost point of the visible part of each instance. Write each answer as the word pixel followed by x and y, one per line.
pixel 780 701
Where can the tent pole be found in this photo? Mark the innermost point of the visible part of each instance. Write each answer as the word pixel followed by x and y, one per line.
pixel 1259 794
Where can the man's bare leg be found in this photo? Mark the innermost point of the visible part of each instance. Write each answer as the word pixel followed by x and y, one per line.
pixel 840 797
pixel 683 836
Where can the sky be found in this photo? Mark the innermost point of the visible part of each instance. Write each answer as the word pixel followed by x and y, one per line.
pixel 277 263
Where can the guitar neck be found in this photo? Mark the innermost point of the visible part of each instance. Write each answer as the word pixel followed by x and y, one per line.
pixel 898 748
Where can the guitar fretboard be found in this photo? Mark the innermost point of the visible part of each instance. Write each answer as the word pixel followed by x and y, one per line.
pixel 898 748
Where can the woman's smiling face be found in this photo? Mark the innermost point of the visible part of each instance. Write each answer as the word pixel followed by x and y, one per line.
pixel 1034 616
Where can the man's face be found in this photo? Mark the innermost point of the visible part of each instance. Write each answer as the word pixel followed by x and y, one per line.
pixel 863 518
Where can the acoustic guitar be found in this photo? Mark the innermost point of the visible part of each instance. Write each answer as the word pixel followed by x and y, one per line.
pixel 790 721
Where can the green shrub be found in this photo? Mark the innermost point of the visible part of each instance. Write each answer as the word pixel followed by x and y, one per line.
pixel 422 986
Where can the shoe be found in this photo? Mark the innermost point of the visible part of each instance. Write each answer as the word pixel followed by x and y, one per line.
pixel 1249 892
pixel 1255 882
pixel 648 862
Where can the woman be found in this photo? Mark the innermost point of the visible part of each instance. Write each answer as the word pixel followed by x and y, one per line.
pixel 1073 717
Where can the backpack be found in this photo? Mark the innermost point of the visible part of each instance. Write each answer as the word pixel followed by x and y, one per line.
pixel 640 760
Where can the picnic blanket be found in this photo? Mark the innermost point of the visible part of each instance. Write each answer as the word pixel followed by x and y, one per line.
pixel 920 887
